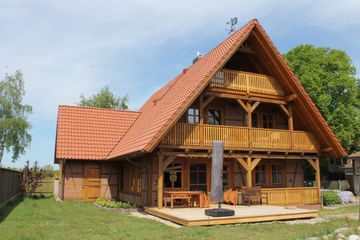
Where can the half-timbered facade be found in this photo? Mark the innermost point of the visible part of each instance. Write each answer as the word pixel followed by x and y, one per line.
pixel 242 92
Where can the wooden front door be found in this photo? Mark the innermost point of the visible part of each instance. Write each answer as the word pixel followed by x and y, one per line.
pixel 91 187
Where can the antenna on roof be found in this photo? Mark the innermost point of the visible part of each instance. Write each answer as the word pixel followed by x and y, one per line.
pixel 230 25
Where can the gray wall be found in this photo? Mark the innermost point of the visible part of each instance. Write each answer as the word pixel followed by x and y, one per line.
pixel 9 184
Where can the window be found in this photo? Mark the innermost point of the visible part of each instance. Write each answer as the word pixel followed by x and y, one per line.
pixel 198 177
pixel 260 174
pixel 214 117
pixel 130 178
pixel 276 175
pixel 254 120
pixel 193 115
pixel 268 120
pixel 226 177
pixel 173 176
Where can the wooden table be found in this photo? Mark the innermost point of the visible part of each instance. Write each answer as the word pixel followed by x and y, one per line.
pixel 186 195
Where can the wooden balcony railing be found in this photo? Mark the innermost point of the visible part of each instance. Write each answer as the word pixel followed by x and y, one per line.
pixel 248 82
pixel 184 134
pixel 292 196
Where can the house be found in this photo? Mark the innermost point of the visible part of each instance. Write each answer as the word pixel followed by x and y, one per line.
pixel 242 92
pixel 353 173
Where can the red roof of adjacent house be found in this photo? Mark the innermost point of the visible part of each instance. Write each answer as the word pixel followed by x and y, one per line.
pixel 108 139
pixel 90 133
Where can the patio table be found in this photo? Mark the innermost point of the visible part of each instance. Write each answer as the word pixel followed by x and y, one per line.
pixel 187 195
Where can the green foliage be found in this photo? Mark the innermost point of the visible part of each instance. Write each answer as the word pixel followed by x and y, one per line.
pixel 329 77
pixel 330 198
pixel 113 204
pixel 14 126
pixel 30 179
pixel 105 99
pixel 50 172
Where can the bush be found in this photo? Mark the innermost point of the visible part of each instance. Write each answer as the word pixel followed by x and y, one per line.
pixel 113 204
pixel 30 179
pixel 330 198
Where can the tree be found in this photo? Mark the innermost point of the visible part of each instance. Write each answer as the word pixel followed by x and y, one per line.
pixel 14 125
pixel 329 77
pixel 30 179
pixel 104 99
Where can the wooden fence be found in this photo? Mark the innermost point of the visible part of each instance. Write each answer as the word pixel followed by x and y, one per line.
pixel 46 186
pixel 9 185
pixel 292 196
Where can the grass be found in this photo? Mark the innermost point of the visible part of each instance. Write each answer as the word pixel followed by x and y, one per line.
pixel 48 219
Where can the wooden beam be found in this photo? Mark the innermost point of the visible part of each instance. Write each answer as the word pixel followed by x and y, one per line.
pixel 168 161
pixel 254 106
pixel 242 104
pixel 248 174
pixel 237 96
pixel 284 110
pixel 290 118
pixel 291 97
pixel 160 181
pixel 207 101
pixel 242 162
pixel 254 163
pixel 326 149
pixel 312 163
pixel 246 50
pixel 317 178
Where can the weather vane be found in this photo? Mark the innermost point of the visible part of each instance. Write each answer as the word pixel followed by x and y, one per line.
pixel 230 25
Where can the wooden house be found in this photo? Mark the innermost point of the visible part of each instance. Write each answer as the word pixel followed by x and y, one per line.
pixel 242 92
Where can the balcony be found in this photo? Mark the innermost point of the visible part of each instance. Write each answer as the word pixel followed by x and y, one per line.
pixel 246 82
pixel 202 136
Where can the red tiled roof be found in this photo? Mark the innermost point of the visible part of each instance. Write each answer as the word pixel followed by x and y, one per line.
pixel 90 133
pixel 165 106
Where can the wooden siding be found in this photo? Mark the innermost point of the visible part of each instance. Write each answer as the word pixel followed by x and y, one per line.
pixel 292 196
pixel 248 82
pixel 183 134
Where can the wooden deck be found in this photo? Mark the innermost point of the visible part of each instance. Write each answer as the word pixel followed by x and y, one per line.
pixel 243 214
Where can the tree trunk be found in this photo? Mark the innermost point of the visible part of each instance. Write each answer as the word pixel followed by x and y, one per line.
pixel 2 148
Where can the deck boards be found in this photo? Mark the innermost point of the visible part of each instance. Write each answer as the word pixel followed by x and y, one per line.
pixel 243 214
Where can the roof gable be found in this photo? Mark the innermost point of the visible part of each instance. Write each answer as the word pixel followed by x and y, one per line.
pixel 165 107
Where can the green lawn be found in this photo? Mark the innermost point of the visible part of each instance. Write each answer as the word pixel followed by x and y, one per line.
pixel 48 219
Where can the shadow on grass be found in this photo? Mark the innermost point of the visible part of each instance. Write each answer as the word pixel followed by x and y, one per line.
pixel 6 210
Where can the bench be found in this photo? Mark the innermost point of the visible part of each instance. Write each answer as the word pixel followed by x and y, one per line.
pixel 254 194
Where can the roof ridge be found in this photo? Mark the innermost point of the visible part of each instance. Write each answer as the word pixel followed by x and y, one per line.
pixel 97 108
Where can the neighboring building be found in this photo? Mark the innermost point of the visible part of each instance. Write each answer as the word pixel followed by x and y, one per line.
pixel 242 92
pixel 353 173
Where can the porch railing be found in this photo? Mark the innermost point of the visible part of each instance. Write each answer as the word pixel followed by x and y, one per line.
pixel 184 134
pixel 292 196
pixel 248 82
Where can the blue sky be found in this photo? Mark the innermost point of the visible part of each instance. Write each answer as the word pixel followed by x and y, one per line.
pixel 67 48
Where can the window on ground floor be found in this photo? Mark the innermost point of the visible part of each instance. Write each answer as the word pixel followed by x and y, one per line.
pixel 260 175
pixel 198 177
pixel 173 176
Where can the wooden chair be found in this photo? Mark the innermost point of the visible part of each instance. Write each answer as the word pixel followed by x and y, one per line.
pixel 253 194
pixel 231 197
pixel 204 200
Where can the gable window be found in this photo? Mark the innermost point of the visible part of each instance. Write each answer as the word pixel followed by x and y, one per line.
pixel 214 117
pixel 173 176
pixel 193 115
pixel 277 175
pixel 268 120
pixel 260 175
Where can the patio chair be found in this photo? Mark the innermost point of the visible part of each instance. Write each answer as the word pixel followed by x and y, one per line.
pixel 253 194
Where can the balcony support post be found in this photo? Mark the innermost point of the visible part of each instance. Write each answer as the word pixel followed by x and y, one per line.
pixel 315 163
pixel 248 174
pixel 201 120
pixel 160 181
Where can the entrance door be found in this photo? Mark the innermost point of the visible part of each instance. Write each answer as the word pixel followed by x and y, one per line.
pixel 198 177
pixel 91 187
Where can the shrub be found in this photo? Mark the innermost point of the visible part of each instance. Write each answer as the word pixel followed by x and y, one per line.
pixel 330 198
pixel 113 204
pixel 30 178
